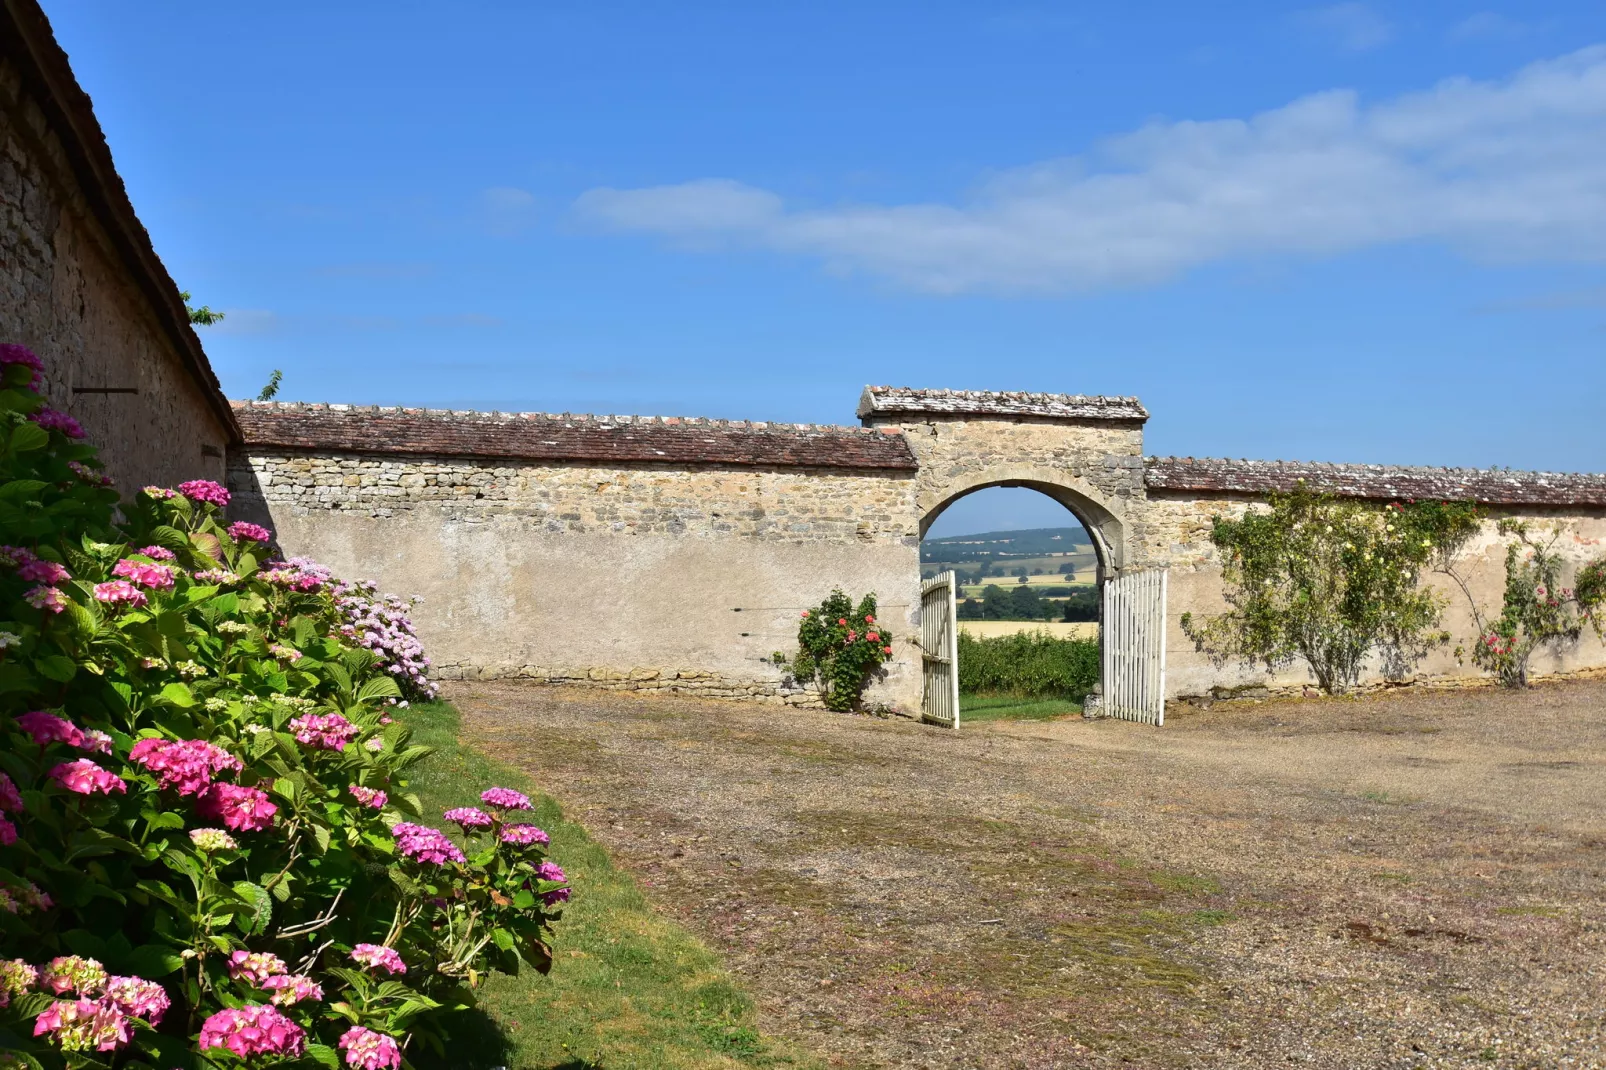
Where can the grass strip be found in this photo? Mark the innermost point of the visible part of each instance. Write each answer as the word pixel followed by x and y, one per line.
pixel 1013 708
pixel 628 989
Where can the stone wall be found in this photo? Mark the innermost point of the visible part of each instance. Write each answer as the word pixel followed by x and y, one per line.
pixel 629 576
pixel 663 554
pixel 1184 498
pixel 80 284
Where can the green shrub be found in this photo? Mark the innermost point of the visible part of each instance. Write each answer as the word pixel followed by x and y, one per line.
pixel 1028 664
pixel 205 851
pixel 838 647
pixel 1331 583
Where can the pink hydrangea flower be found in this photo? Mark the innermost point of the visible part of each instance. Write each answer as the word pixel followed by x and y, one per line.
pixel 37 897
pixel 73 974
pixel 47 728
pixel 255 1029
pixel 240 808
pixel 49 599
pixel 241 529
pixel 156 577
pixel 186 765
pixel 41 571
pixel 469 817
pixel 159 493
pixel 375 956
pixel 96 741
pixel 424 844
pixel 368 1050
pixel 85 1025
pixel 291 988
pixel 204 490
pixel 505 799
pixel 12 353
pixel 8 836
pixel 368 796
pixel 10 797
pixel 524 835
pixel 139 997
pixel 56 420
pixel 87 778
pixel 157 553
pixel 325 731
pixel 255 966
pixel 117 592
pixel 16 978
pixel 14 556
pixel 551 871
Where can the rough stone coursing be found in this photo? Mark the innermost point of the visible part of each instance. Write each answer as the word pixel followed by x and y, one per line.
pixel 879 403
pixel 80 285
pixel 1376 482
pixel 793 504
pixel 567 437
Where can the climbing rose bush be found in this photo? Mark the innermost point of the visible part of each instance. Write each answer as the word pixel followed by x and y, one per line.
pixel 208 852
pixel 839 646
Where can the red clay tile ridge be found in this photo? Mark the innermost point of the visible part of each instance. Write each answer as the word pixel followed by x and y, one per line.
pixel 895 400
pixel 1377 482
pixel 566 437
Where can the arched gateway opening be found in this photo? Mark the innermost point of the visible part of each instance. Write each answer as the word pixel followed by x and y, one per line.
pixel 1086 453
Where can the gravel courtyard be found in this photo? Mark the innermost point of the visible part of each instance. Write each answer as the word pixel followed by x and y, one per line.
pixel 1404 880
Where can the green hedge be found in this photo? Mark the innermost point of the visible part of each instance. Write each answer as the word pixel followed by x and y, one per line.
pixel 1029 664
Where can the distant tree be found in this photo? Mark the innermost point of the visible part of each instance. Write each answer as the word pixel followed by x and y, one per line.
pixel 1068 569
pixel 200 317
pixel 267 392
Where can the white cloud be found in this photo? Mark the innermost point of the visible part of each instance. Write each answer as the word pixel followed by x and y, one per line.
pixel 1514 170
pixel 1489 24
pixel 1353 27
pixel 506 210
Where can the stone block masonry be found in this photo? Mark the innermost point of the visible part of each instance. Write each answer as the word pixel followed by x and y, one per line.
pixel 681 563
pixel 80 284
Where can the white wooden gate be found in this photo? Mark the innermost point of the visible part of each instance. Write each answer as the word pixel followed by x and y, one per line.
pixel 1133 639
pixel 939 650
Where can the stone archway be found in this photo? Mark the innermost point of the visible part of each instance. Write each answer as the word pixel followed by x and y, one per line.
pixel 1084 452
pixel 1103 526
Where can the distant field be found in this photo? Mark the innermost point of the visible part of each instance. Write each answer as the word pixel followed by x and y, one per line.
pixel 988 629
pixel 1082 578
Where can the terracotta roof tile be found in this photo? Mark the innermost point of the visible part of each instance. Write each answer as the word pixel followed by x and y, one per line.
pixel 566 437
pixel 1376 481
pixel 891 400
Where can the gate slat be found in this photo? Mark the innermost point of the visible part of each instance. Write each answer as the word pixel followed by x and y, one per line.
pixel 1133 638
pixel 939 650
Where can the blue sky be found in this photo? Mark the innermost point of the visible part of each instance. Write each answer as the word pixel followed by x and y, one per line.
pixel 1286 228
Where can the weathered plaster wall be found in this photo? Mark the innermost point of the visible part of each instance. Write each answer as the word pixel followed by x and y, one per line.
pixel 623 576
pixel 1178 530
pixel 69 294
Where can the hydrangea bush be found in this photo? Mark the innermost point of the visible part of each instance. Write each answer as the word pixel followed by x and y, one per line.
pixel 207 850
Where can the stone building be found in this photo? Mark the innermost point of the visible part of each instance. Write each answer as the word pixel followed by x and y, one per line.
pixel 80 284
